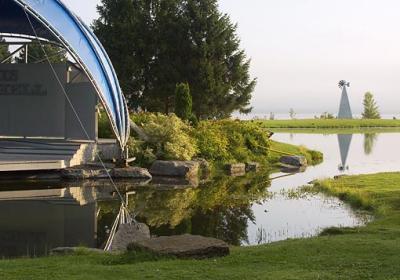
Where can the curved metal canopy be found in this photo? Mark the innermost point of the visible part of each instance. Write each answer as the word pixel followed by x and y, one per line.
pixel 53 21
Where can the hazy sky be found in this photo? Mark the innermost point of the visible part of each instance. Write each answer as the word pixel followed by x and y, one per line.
pixel 300 49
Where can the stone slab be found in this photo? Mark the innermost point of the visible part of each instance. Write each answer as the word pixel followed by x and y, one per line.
pixel 293 160
pixel 184 246
pixel 183 169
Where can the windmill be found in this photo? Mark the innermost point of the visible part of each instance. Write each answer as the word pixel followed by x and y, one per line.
pixel 344 109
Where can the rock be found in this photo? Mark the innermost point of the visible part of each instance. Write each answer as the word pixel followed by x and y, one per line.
pixel 183 169
pixel 97 172
pixel 127 234
pixel 236 169
pixel 252 167
pixel 294 160
pixel 184 246
pixel 73 250
pixel 84 172
pixel 131 173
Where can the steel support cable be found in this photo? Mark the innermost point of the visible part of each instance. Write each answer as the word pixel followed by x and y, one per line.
pixel 123 202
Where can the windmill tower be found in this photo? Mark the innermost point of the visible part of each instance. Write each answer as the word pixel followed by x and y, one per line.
pixel 344 109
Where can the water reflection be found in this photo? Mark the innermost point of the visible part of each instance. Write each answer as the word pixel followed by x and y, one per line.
pixel 220 208
pixel 247 210
pixel 31 228
pixel 369 142
pixel 345 144
pixel 344 147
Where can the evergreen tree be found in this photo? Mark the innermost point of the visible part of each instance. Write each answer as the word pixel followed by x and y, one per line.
pixel 183 101
pixel 155 44
pixel 371 109
pixel 36 54
pixel 4 52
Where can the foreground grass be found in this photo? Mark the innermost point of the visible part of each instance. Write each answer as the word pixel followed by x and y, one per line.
pixel 372 252
pixel 329 124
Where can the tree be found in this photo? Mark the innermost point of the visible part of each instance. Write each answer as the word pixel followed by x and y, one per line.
pixel 327 116
pixel 371 109
pixel 292 113
pixel 4 52
pixel 37 55
pixel 183 101
pixel 170 41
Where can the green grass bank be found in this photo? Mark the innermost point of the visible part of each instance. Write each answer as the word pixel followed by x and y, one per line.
pixel 328 124
pixel 371 252
pixel 278 149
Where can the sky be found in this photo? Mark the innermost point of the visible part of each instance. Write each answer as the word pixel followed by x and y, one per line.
pixel 300 49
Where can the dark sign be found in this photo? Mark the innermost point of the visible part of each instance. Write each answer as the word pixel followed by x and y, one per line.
pixel 10 85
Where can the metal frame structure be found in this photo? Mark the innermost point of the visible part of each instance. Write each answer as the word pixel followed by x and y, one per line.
pixel 119 115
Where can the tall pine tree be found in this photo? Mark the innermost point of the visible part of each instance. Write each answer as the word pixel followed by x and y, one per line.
pixel 371 109
pixel 155 44
pixel 183 101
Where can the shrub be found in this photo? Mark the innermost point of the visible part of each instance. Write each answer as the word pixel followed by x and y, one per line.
pixel 229 140
pixel 104 127
pixel 169 138
pixel 211 141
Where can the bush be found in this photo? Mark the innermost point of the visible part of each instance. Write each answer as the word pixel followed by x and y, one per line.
pixel 104 127
pixel 169 138
pixel 233 141
pixel 211 141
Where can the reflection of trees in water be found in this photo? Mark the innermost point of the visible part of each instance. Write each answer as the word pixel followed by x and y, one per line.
pixel 228 224
pixel 220 208
pixel 369 142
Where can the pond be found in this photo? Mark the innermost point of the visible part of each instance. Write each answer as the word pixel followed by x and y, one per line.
pixel 249 210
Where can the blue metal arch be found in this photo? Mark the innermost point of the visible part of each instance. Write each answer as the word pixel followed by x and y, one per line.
pixel 52 20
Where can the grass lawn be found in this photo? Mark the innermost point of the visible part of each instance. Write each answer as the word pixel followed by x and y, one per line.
pixel 372 252
pixel 332 126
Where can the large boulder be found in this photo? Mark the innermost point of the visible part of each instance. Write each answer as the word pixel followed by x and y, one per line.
pixel 294 160
pixel 183 169
pixel 131 173
pixel 184 246
pixel 127 234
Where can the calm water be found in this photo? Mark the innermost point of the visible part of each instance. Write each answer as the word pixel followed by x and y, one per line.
pixel 254 209
pixel 282 217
